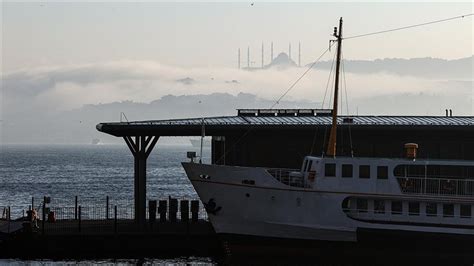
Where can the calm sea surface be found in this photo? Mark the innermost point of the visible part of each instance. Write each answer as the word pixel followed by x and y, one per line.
pixel 90 172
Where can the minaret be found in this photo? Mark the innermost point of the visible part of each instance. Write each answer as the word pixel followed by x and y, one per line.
pixel 239 58
pixel 289 50
pixel 248 56
pixel 299 54
pixel 271 53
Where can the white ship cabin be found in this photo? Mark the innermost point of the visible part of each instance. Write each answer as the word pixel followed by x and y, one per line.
pixel 404 190
pixel 394 176
pixel 447 178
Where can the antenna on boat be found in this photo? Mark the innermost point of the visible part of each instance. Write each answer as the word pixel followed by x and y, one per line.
pixel 331 150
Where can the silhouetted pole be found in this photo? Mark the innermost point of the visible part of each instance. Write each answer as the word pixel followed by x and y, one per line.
pixel 248 57
pixel 271 53
pixel 239 58
pixel 289 50
pixel 299 54
pixel 331 151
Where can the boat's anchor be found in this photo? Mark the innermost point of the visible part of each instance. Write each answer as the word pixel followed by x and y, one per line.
pixel 211 207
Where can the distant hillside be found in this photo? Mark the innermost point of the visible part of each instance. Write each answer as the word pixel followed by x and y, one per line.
pixel 421 67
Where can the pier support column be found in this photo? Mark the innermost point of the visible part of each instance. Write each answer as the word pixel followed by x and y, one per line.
pixel 141 147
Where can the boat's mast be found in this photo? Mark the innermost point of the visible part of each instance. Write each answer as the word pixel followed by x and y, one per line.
pixel 331 151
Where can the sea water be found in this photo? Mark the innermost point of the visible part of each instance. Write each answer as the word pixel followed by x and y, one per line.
pixel 90 172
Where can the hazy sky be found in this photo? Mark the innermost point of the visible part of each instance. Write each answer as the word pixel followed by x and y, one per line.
pixel 67 66
pixel 209 34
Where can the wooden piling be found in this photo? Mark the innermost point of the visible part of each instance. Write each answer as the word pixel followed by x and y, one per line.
pixel 162 207
pixel 79 216
pixel 107 207
pixel 75 208
pixel 194 211
pixel 184 209
pixel 9 218
pixel 173 210
pixel 115 218
pixel 152 211
pixel 43 218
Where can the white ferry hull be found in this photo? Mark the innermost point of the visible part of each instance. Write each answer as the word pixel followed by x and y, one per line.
pixel 266 211
pixel 271 209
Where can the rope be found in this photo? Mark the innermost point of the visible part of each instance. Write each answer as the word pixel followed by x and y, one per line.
pixel 329 80
pixel 345 84
pixel 407 27
pixel 307 70
pixel 314 141
pixel 233 146
pixel 347 105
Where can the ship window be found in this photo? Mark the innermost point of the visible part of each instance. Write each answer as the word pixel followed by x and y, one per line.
pixel 448 210
pixel 431 209
pixel 362 205
pixel 347 170
pixel 397 207
pixel 330 169
pixel 379 206
pixel 413 208
pixel 465 211
pixel 382 172
pixel 364 171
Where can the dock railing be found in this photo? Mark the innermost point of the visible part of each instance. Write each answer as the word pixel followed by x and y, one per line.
pixel 109 217
pixel 437 186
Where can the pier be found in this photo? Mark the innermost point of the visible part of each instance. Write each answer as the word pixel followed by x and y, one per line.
pixel 172 228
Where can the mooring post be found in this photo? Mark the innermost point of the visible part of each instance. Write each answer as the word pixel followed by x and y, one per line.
pixel 152 212
pixel 162 207
pixel 43 218
pixel 141 148
pixel 107 207
pixel 9 218
pixel 194 210
pixel 184 210
pixel 173 210
pixel 115 218
pixel 79 223
pixel 75 208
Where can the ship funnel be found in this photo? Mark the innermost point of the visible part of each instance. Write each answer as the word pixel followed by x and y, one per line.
pixel 411 149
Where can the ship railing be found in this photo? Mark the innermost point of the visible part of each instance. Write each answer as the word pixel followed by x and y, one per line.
pixel 290 177
pixel 437 186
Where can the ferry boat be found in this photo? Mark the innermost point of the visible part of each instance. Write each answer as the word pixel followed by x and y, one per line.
pixel 410 202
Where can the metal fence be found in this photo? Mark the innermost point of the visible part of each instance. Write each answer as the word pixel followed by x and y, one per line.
pixel 108 216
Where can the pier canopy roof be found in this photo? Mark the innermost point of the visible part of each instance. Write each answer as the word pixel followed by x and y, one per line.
pixel 275 119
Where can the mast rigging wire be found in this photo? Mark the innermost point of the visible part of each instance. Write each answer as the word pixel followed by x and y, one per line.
pixel 408 27
pixel 304 73
pixel 347 104
pixel 329 80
